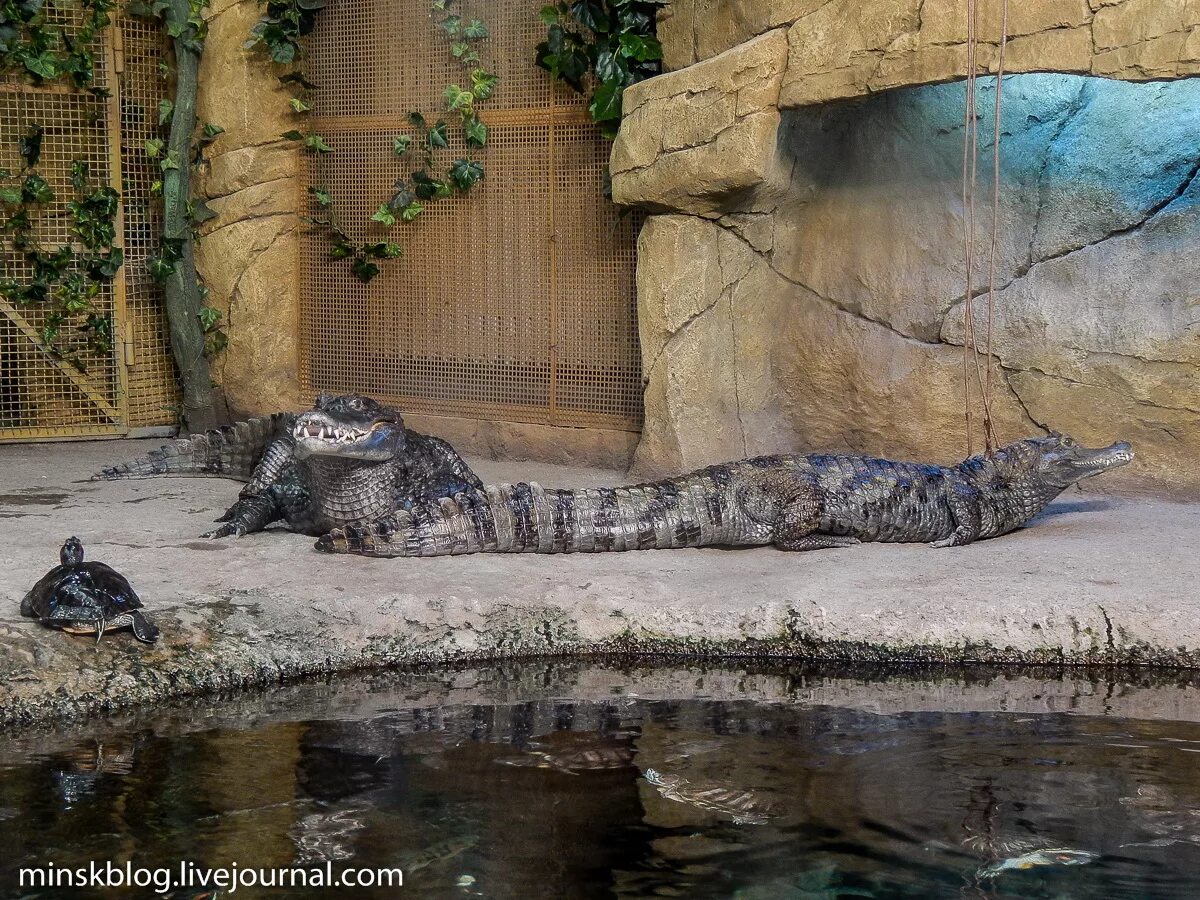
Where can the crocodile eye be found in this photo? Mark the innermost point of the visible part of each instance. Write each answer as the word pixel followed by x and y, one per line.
pixel 1069 442
pixel 356 404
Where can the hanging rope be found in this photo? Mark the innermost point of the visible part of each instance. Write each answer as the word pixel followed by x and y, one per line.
pixel 970 156
pixel 971 353
pixel 989 422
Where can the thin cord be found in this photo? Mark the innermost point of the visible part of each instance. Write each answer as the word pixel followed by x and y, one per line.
pixel 989 422
pixel 970 151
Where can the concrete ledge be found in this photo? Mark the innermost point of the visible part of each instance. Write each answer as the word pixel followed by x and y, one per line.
pixel 1095 580
pixel 894 690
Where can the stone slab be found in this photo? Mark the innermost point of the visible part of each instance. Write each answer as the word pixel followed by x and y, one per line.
pixel 1103 580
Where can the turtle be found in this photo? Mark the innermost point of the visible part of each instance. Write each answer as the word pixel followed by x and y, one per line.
pixel 86 598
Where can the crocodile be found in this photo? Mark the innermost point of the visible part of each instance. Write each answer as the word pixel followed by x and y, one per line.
pixel 796 502
pixel 348 460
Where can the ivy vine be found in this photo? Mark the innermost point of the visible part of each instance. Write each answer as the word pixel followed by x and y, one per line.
pixel 279 33
pixel 44 52
pixel 66 280
pixel 601 47
pixel 165 264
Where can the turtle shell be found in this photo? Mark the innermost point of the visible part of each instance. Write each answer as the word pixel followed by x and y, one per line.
pixel 92 585
pixel 87 596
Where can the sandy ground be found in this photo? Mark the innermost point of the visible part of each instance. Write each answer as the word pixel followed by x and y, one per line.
pixel 1095 579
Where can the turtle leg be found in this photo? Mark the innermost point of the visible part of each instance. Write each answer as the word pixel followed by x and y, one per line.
pixel 143 629
pixel 63 616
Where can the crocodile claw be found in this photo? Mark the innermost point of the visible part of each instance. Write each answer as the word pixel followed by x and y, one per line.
pixel 234 529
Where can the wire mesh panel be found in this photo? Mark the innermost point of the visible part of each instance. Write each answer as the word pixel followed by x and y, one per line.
pixel 514 302
pixel 153 382
pixel 46 390
pixel 50 385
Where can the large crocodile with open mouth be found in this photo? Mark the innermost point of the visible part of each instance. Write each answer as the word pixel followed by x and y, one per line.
pixel 794 502
pixel 348 461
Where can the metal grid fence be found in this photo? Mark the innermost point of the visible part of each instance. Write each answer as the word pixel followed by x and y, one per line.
pixel 515 302
pixel 153 382
pixel 42 393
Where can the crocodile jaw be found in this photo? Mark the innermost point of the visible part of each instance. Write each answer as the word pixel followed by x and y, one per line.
pixel 317 434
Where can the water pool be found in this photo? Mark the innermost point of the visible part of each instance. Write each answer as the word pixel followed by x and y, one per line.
pixel 585 780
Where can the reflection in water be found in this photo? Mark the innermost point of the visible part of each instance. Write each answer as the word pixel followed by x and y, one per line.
pixel 626 797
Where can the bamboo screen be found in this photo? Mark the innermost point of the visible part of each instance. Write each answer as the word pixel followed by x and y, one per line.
pixel 42 394
pixel 515 302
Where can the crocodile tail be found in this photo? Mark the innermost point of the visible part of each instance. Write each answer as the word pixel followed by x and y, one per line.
pixel 527 518
pixel 232 451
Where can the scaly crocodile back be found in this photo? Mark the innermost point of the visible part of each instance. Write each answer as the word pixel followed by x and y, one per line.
pixel 229 452
pixel 693 510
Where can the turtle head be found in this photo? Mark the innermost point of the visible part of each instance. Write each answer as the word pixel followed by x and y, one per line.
pixel 72 552
pixel 1062 461
pixel 350 426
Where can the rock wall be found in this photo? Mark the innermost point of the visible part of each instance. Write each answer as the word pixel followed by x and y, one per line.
pixel 249 255
pixel 843 48
pixel 803 286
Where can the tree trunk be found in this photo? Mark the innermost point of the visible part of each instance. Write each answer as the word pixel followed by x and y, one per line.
pixel 182 287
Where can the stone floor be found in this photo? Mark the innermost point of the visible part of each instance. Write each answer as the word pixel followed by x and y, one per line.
pixel 1097 579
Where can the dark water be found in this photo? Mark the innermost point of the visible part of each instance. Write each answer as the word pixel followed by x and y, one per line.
pixel 533 782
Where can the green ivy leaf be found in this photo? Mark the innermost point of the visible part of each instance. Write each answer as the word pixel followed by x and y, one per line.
pixel 401 196
pixel 383 250
pixel 465 173
pixel 458 100
pixel 154 147
pixel 483 83
pixel 548 15
pixel 170 161
pixel 104 266
pixel 208 317
pixel 475 132
pixel 425 187
pixel 643 48
pixel 299 105
pixel 364 269
pixel 165 110
pixel 452 25
pixel 160 268
pixel 317 144
pixel 384 216
pixel 475 30
pixel 324 198
pixel 31 145
pixel 79 174
pixel 436 137
pixel 10 195
pixel 411 211
pixel 215 342
pixel 606 102
pixel 293 135
pixel 400 144
pixel 42 66
pixel 418 120
pixel 36 189
pixel 591 14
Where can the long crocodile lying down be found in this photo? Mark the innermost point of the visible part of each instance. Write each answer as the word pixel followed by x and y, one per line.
pixel 349 460
pixel 794 502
